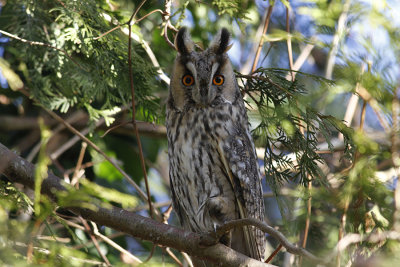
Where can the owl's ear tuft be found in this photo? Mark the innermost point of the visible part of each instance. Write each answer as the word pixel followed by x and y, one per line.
pixel 220 43
pixel 183 43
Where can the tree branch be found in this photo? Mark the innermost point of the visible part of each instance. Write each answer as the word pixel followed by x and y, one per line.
pixel 33 43
pixel 18 170
pixel 267 229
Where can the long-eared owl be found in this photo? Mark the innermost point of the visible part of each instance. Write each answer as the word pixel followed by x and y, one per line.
pixel 214 172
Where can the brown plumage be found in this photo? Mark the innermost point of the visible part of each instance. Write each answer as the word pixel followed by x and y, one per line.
pixel 213 166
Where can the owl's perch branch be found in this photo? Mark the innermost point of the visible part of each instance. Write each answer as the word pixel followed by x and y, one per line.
pixel 19 170
pixel 267 229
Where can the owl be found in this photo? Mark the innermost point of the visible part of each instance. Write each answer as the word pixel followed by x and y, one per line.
pixel 214 174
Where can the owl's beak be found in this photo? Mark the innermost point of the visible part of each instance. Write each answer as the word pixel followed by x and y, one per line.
pixel 204 96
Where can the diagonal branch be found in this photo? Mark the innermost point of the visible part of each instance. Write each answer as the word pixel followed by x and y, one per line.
pixel 18 170
pixel 139 142
pixel 36 43
pixel 260 44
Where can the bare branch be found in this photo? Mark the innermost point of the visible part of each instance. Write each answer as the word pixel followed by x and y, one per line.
pixel 114 245
pixel 336 39
pixel 35 43
pixel 267 229
pixel 139 143
pixel 289 44
pixel 260 44
pixel 94 240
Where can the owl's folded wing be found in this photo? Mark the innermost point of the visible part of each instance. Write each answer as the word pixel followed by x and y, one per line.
pixel 238 155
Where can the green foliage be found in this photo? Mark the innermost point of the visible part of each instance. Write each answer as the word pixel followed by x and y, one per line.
pixel 107 194
pixel 324 13
pixel 41 166
pixel 15 234
pixel 232 8
pixel 89 72
pixel 289 125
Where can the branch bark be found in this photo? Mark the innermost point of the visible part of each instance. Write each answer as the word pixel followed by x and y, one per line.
pixel 18 170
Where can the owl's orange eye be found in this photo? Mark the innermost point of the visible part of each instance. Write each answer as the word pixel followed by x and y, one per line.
pixel 218 80
pixel 188 80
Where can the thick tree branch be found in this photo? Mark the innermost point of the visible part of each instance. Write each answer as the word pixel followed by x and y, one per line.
pixel 18 170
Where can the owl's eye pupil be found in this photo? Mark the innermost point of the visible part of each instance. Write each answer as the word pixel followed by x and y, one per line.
pixel 218 80
pixel 188 80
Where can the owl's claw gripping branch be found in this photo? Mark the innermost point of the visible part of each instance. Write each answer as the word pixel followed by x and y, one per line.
pixel 209 239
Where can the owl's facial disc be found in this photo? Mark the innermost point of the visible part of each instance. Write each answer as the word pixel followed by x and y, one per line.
pixel 203 91
pixel 203 75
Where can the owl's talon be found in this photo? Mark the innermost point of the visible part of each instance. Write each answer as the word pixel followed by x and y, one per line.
pixel 209 239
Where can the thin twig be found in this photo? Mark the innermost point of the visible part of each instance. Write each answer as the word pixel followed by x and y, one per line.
pixel 136 11
pixel 173 256
pixel 362 116
pixel 167 213
pixel 366 96
pixel 167 23
pixel 343 219
pixel 95 147
pixel 151 253
pixel 59 1
pixel 126 23
pixel 73 140
pixel 274 253
pixel 36 43
pixel 246 66
pixel 146 47
pixel 395 157
pixel 115 127
pixel 114 245
pixel 29 251
pixel 267 53
pixel 94 240
pixel 148 14
pixel 336 39
pixel 76 116
pixel 165 34
pixel 352 105
pixel 267 229
pixel 266 79
pixel 142 164
pixel 261 42
pixel 289 43
pixel 75 177
pixel 155 205
pixel 109 31
pixel 307 226
pixel 305 52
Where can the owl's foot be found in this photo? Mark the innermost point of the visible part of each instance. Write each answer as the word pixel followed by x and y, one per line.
pixel 214 237
pixel 209 239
